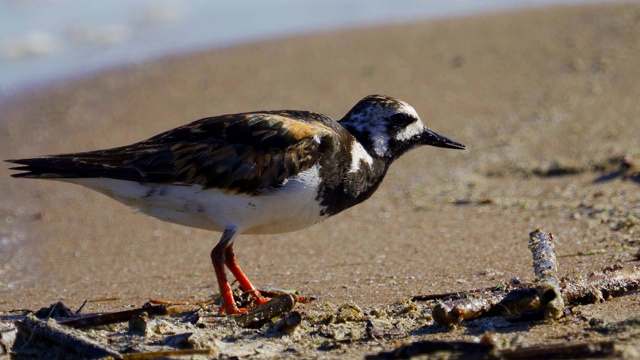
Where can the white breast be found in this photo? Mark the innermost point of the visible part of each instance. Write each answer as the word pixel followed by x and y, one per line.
pixel 290 207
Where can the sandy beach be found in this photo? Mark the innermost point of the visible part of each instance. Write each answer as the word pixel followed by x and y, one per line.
pixel 546 100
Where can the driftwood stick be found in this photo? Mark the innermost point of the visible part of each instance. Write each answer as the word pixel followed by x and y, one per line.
pixel 545 266
pixel 115 317
pixel 72 340
pixel 453 312
pixel 547 295
pixel 596 288
pixel 450 313
pixel 599 287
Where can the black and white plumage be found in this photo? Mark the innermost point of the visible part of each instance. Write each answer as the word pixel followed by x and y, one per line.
pixel 259 172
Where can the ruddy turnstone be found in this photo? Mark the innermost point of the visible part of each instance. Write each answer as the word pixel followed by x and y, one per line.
pixel 261 172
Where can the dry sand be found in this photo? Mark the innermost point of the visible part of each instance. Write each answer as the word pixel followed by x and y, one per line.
pixel 526 92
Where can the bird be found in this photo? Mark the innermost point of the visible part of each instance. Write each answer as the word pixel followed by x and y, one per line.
pixel 261 172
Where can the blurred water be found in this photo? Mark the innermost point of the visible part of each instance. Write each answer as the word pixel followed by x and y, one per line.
pixel 47 40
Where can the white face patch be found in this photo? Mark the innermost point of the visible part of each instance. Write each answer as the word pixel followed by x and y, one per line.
pixel 413 129
pixel 358 153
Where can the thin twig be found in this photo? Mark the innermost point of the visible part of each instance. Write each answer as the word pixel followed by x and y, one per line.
pixel 112 298
pixel 167 353
pixel 464 294
pixel 200 303
pixel 115 317
pixel 81 307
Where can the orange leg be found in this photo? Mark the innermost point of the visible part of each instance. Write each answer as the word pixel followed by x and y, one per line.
pixel 245 284
pixel 228 305
pixel 221 255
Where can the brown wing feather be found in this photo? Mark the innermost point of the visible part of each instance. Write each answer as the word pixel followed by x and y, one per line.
pixel 242 152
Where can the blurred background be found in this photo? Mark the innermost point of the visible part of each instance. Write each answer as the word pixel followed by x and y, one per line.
pixel 48 40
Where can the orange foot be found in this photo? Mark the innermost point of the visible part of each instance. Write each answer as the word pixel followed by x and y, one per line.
pixel 229 307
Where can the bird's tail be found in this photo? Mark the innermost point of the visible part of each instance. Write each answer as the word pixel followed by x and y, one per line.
pixel 53 167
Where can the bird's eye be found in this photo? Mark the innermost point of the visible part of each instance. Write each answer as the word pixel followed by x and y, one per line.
pixel 399 119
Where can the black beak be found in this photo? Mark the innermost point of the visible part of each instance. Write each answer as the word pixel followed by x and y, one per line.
pixel 430 137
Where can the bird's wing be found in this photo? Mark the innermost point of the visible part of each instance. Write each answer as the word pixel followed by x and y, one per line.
pixel 239 153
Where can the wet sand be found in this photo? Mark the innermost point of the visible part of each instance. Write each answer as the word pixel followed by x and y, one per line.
pixel 532 94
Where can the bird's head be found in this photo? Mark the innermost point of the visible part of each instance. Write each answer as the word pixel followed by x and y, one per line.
pixel 388 127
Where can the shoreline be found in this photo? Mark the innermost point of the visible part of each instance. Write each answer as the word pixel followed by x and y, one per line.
pixel 12 94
